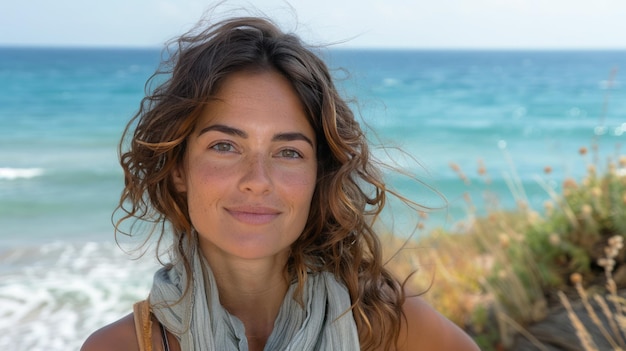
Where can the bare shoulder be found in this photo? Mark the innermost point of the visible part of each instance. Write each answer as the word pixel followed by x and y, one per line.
pixel 426 329
pixel 117 336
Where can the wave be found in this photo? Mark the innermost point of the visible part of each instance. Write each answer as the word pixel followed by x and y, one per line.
pixel 19 173
pixel 53 296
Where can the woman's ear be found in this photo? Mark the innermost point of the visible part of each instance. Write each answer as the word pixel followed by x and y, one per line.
pixel 178 176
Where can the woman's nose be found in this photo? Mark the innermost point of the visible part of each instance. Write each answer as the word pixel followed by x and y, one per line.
pixel 256 175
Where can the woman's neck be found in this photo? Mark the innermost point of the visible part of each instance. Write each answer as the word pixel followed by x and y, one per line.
pixel 251 290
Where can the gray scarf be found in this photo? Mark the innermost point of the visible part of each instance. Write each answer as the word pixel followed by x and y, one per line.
pixel 202 324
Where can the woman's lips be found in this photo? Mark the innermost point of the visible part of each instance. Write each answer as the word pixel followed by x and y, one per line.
pixel 253 215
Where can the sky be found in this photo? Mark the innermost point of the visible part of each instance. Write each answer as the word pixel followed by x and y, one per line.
pixel 420 24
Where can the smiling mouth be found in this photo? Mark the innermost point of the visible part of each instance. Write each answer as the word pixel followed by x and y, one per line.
pixel 254 216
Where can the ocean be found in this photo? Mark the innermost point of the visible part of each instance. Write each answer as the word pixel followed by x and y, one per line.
pixel 62 112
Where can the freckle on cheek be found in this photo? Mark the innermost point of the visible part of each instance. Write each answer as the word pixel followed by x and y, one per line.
pixel 298 180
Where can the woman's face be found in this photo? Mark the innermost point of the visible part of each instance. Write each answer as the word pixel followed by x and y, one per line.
pixel 250 169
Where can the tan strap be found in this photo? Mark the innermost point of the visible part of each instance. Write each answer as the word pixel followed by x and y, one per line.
pixel 143 325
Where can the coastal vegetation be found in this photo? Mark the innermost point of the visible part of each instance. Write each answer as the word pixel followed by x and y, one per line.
pixel 500 271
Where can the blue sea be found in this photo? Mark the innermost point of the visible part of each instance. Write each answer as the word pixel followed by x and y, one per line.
pixel 62 112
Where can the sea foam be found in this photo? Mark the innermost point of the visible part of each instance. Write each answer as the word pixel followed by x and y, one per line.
pixel 53 296
pixel 19 173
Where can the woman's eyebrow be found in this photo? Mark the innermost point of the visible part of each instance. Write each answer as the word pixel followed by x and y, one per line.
pixel 224 129
pixel 291 137
pixel 288 136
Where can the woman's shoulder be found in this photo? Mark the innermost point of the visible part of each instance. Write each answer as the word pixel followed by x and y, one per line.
pixel 426 329
pixel 120 335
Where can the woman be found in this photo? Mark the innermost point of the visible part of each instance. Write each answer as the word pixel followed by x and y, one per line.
pixel 247 155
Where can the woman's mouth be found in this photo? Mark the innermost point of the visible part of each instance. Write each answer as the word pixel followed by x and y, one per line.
pixel 253 215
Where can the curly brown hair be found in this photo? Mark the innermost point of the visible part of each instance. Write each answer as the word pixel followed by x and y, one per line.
pixel 339 236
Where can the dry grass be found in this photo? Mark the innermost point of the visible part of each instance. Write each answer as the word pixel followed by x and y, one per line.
pixel 491 275
pixel 613 333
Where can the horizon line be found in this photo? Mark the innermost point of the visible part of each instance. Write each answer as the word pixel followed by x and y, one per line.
pixel 329 47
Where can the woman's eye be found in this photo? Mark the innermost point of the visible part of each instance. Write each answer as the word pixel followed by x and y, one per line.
pixel 223 147
pixel 289 153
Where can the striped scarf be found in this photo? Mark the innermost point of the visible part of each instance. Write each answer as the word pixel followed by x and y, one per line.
pixel 325 323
